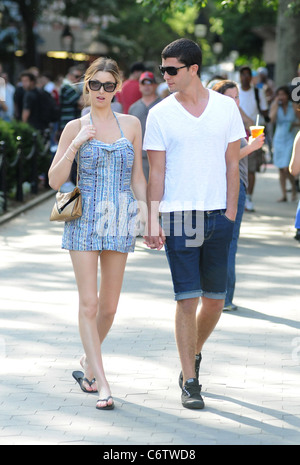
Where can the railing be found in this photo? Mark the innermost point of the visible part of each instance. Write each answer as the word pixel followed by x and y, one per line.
pixel 18 165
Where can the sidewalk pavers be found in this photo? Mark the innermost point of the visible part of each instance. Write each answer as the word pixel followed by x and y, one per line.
pixel 250 368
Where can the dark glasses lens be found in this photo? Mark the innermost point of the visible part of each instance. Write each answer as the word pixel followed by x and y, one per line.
pixel 107 86
pixel 171 70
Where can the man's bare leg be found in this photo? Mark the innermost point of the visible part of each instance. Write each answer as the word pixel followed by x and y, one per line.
pixel 186 335
pixel 207 319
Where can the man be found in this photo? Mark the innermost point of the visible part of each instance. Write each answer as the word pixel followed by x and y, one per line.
pixel 31 101
pixel 252 103
pixel 8 109
pixel 130 92
pixel 141 108
pixel 193 139
pixel 70 97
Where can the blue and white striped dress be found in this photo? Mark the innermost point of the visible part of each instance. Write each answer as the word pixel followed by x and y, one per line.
pixel 109 209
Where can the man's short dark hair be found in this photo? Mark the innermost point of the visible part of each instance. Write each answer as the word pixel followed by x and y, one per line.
pixel 28 74
pixel 186 51
pixel 245 68
pixel 138 66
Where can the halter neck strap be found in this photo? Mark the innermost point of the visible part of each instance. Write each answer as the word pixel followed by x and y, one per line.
pixel 122 134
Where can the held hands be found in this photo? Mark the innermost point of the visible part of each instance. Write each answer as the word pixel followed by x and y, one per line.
pixel 86 133
pixel 154 236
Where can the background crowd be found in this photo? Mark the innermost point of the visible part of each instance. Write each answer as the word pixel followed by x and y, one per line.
pixel 26 100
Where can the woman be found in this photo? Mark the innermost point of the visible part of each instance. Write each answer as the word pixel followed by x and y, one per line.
pixel 294 169
pixel 230 89
pixel 283 112
pixel 294 166
pixel 108 148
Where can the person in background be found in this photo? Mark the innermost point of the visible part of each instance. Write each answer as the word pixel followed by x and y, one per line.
pixel 294 166
pixel 252 102
pixel 46 82
pixel 141 107
pixel 70 96
pixel 268 87
pixel 294 169
pixel 230 89
pixel 31 101
pixel 70 99
pixel 283 113
pixel 3 106
pixel 130 91
pixel 8 114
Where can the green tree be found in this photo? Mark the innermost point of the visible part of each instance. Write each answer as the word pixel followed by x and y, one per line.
pixel 287 32
pixel 136 34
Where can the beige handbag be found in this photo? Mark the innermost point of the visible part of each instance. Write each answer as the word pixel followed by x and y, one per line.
pixel 68 206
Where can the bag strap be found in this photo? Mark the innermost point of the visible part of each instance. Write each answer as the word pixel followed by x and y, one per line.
pixel 77 176
pixel 78 151
pixel 256 93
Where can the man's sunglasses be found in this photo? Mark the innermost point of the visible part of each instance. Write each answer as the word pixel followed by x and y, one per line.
pixel 107 86
pixel 171 70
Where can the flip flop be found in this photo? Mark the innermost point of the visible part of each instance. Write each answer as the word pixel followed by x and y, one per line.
pixel 79 377
pixel 108 406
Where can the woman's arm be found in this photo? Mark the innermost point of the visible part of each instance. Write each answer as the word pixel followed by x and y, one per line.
pixel 295 160
pixel 138 180
pixel 274 110
pixel 71 139
pixel 155 236
pixel 233 178
pixel 254 144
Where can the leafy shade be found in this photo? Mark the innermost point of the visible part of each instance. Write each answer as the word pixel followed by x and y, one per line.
pixel 164 7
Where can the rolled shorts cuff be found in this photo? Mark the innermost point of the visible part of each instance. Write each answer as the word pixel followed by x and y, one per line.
pixel 188 295
pixel 199 293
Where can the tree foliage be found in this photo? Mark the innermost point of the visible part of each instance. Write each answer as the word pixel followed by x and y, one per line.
pixel 163 6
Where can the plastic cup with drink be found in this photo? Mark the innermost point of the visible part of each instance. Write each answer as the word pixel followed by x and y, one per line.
pixel 256 130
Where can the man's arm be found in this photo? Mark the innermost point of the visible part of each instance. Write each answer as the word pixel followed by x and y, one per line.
pixel 27 104
pixel 233 178
pixel 155 237
pixel 25 115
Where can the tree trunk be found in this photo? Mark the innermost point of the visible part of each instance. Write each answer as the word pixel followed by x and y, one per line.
pixel 29 13
pixel 287 39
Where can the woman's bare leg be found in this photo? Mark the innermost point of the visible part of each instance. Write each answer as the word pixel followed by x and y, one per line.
pixel 282 181
pixel 112 273
pixel 85 266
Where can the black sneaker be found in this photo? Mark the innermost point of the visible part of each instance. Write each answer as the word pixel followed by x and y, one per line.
pixel 191 397
pixel 198 359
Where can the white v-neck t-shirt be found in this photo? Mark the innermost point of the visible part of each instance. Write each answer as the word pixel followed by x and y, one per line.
pixel 195 173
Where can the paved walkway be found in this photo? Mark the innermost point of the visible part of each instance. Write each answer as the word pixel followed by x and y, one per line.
pixel 250 369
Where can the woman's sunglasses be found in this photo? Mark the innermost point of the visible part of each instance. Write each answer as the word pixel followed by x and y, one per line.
pixel 171 70
pixel 107 86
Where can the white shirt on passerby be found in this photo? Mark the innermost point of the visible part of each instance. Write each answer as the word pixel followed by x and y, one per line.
pixel 248 102
pixel 195 177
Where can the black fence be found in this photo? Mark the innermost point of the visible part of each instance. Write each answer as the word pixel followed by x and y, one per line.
pixel 19 163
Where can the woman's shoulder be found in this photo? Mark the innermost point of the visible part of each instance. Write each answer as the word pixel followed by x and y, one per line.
pixel 127 120
pixel 74 124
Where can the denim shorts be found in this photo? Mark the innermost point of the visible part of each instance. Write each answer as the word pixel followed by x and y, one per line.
pixel 198 268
